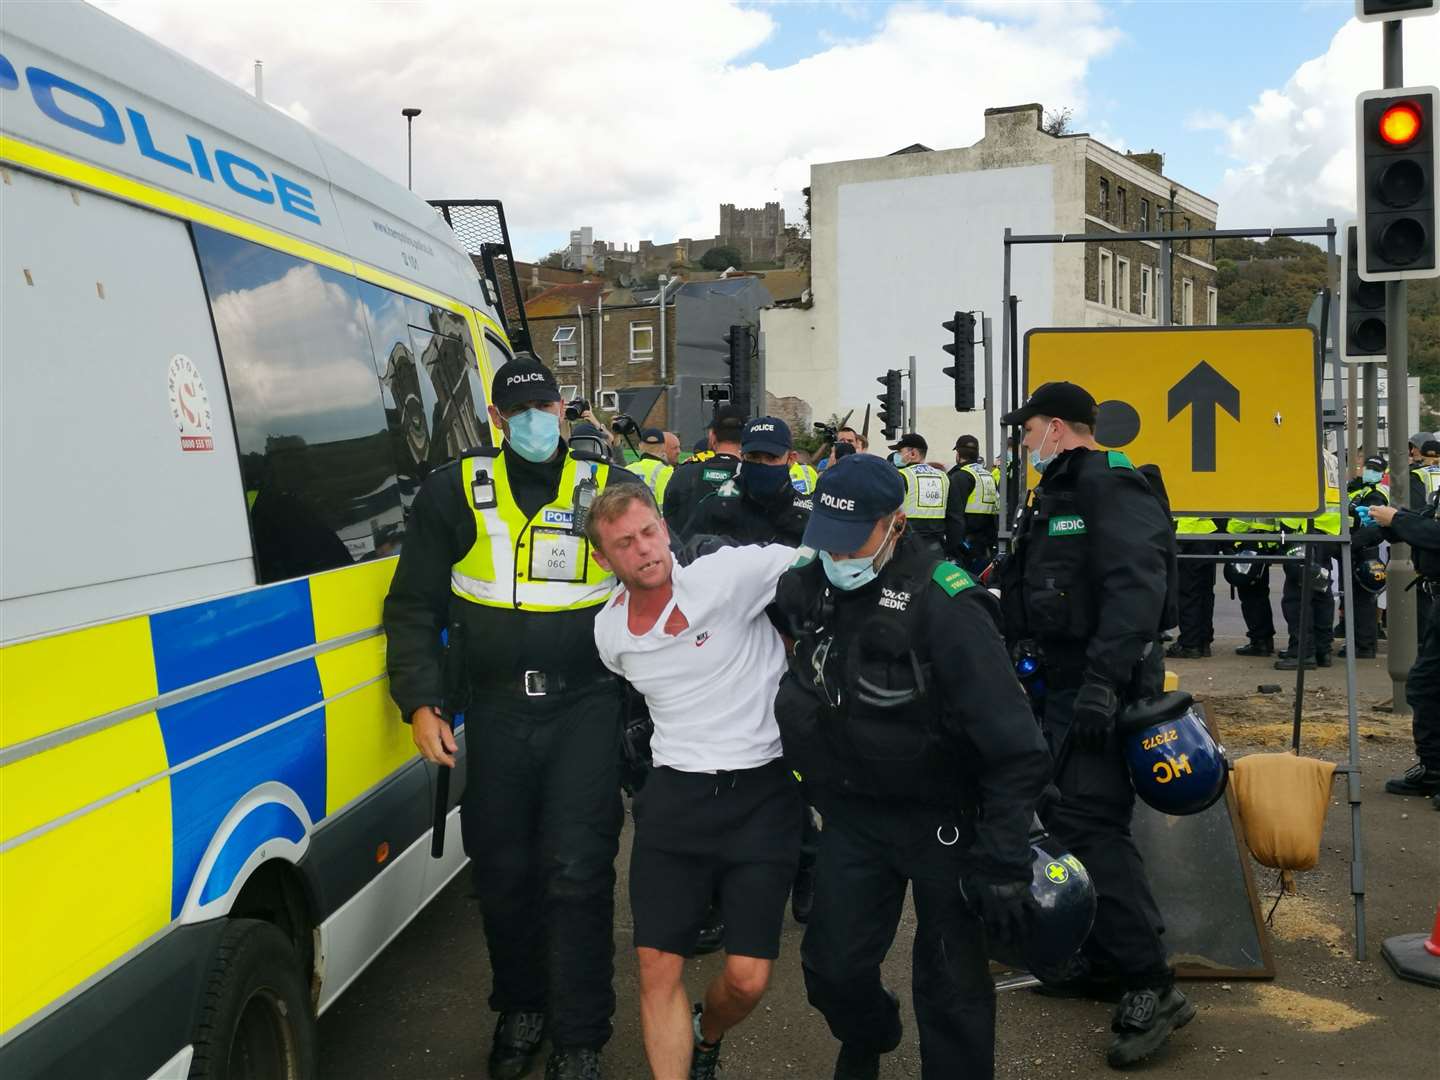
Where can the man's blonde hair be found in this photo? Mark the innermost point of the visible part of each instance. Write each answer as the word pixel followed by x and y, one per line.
pixel 613 503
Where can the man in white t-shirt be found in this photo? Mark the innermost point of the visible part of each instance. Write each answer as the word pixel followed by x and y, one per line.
pixel 719 814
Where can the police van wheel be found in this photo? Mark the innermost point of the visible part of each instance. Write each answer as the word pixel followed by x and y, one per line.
pixel 256 1022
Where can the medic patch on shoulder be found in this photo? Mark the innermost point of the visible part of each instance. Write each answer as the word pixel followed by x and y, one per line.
pixel 953 579
pixel 1118 460
pixel 715 476
pixel 1067 525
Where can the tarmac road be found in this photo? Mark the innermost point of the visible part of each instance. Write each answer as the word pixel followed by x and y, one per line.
pixel 419 1012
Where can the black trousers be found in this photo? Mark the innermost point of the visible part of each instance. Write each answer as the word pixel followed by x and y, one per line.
pixel 1367 617
pixel 1422 691
pixel 1322 610
pixel 1255 608
pixel 1197 598
pixel 541 818
pixel 1092 819
pixel 869 851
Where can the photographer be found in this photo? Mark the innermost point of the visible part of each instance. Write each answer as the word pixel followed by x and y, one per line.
pixel 720 814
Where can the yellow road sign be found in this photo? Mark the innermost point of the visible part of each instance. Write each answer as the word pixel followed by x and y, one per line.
pixel 1231 416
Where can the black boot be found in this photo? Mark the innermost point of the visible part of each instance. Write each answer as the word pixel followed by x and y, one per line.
pixel 1186 652
pixel 573 1064
pixel 1289 663
pixel 1322 659
pixel 855 1064
pixel 1361 652
pixel 1258 647
pixel 518 1037
pixel 1417 780
pixel 1144 1021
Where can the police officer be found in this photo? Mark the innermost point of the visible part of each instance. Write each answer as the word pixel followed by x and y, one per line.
pixel 902 710
pixel 706 471
pixel 1322 600
pixel 1252 586
pixel 927 496
pixel 1089 583
pixel 496 552
pixel 1421 530
pixel 763 501
pixel 1365 490
pixel 974 505
pixel 1197 591
pixel 654 467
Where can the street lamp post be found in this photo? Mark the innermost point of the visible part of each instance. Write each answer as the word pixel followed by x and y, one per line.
pixel 410 115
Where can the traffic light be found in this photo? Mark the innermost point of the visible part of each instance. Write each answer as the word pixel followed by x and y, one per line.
pixel 890 403
pixel 1362 307
pixel 1395 183
pixel 1383 10
pixel 962 348
pixel 740 340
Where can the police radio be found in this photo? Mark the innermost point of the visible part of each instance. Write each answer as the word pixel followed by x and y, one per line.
pixel 580 508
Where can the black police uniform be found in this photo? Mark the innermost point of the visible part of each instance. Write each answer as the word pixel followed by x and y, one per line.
pixel 690 484
pixel 1366 604
pixel 541 814
pixel 1091 582
pixel 730 510
pixel 975 536
pixel 917 745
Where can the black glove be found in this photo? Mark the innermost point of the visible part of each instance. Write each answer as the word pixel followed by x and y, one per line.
pixel 1094 717
pixel 1005 907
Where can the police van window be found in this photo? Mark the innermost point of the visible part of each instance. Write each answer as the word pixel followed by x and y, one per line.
pixel 314 442
pixel 496 350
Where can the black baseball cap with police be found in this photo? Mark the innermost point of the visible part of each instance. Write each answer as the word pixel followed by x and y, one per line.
pixel 766 435
pixel 1377 463
pixel 653 435
pixel 520 380
pixel 910 439
pixel 1062 400
pixel 853 494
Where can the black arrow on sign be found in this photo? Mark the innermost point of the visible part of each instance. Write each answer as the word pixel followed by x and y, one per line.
pixel 1204 390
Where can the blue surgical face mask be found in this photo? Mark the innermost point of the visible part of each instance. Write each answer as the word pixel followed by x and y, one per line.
pixel 534 434
pixel 761 481
pixel 1370 476
pixel 1042 461
pixel 896 459
pixel 847 575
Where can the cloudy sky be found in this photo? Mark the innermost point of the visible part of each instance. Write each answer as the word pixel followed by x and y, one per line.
pixel 640 117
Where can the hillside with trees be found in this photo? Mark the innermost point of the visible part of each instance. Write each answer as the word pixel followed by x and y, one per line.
pixel 1275 282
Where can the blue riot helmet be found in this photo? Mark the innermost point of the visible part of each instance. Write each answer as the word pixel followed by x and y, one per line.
pixel 1370 575
pixel 1249 572
pixel 1175 763
pixel 1063 910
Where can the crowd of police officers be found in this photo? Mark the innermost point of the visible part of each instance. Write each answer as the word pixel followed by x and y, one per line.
pixel 928 762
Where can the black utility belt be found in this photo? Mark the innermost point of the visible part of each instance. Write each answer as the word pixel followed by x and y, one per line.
pixel 543 683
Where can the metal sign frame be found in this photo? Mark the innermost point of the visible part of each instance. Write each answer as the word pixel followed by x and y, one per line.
pixel 1310 542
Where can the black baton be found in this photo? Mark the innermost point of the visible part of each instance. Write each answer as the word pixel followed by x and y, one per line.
pixel 454 680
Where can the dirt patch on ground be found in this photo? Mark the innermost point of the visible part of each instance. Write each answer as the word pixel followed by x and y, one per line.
pixel 1307 1010
pixel 1266 720
pixel 1299 918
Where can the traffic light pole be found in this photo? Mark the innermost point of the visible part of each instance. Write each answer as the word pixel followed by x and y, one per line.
pixel 989 393
pixel 1400 598
pixel 913 405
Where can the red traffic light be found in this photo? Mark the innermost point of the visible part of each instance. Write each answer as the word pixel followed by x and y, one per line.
pixel 1400 124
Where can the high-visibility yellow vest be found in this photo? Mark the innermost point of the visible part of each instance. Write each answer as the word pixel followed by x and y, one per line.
pixel 655 473
pixel 1429 476
pixel 534 563
pixel 1195 526
pixel 1365 491
pixel 985 495
pixel 1254 525
pixel 703 455
pixel 803 478
pixel 926 489
pixel 1328 522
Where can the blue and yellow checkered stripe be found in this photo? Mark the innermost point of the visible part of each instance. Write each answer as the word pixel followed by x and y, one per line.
pixel 86 891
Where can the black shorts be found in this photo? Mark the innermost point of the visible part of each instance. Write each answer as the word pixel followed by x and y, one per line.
pixel 699 836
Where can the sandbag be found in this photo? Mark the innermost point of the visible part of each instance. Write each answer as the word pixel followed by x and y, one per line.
pixel 1282 800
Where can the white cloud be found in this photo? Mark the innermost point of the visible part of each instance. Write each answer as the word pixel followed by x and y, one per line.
pixel 636 118
pixel 1295 146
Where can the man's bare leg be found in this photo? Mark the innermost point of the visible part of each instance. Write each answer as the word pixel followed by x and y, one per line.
pixel 665 1014
pixel 732 994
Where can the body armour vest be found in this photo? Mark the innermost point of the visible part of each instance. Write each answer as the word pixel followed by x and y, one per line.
pixel 859 710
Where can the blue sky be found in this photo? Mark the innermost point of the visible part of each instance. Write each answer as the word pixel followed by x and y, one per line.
pixel 1175 62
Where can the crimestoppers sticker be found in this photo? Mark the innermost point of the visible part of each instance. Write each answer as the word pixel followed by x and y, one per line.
pixel 190 406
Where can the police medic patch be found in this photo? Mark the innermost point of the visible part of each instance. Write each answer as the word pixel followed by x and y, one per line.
pixel 715 476
pixel 1067 525
pixel 952 578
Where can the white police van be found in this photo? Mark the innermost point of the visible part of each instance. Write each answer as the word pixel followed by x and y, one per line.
pixel 229 355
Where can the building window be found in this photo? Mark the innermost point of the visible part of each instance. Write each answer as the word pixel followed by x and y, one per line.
pixel 569 391
pixel 1147 292
pixel 1107 278
pixel 1122 206
pixel 610 400
pixel 1212 305
pixel 1105 199
pixel 1122 285
pixel 1187 302
pixel 567 349
pixel 642 342
pixel 1144 215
